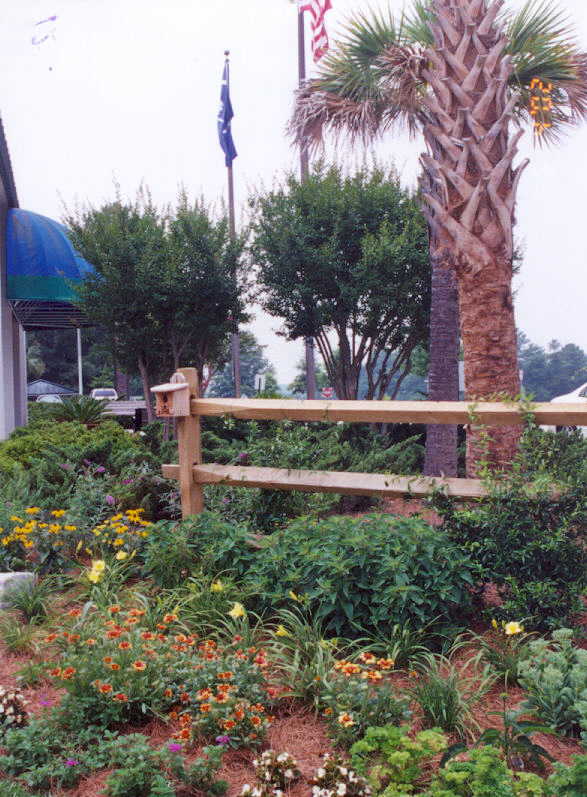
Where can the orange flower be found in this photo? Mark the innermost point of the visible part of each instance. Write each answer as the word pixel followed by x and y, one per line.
pixel 185 719
pixel 120 697
pixel 204 694
pixel 113 609
pixel 161 627
pixel 224 676
pixel 229 724
pixel 105 688
pixel 328 711
pixel 55 673
pixel 90 641
pixel 68 673
pixel 255 720
pixel 239 714
pixel 205 708
pixel 139 665
pixel 368 658
pixel 50 637
pixel 114 666
pixel 148 635
pixel 74 613
pixel 125 646
pixel 184 734
pixel 169 618
pixel 221 697
pixel 114 633
pixel 385 664
pixel 168 692
pixel 107 659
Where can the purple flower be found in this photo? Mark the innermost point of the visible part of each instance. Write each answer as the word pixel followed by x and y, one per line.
pixel 175 748
pixel 127 481
pixel 225 501
pixel 66 466
pixel 222 739
pixel 243 455
pixel 100 469
pixel 87 461
pixel 110 500
pixel 45 703
pixel 71 762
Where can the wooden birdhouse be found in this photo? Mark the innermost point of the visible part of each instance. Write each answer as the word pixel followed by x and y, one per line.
pixel 173 398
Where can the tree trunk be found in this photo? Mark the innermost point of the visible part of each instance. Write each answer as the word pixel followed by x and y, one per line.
pixel 443 375
pixel 470 162
pixel 146 391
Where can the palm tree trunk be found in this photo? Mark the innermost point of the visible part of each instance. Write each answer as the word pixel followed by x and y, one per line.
pixel 470 161
pixel 443 374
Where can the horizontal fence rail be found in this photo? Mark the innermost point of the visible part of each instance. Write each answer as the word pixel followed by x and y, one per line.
pixel 193 474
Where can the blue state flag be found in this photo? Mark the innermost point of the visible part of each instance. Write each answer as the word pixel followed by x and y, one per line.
pixel 224 116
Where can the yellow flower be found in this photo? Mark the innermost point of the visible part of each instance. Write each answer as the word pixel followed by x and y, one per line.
pixel 118 542
pixel 494 624
pixel 58 512
pixel 238 610
pixel 293 596
pixel 70 528
pixel 15 519
pixel 216 586
pixel 121 556
pixel 94 577
pixel 79 545
pixel 513 628
pixel 32 510
pixel 282 631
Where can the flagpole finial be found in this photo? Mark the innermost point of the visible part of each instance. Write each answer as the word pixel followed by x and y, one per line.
pixel 227 53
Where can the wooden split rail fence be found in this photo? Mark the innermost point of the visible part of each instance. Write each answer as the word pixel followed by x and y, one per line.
pixel 179 399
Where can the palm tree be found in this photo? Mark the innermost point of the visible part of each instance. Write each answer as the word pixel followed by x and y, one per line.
pixel 462 74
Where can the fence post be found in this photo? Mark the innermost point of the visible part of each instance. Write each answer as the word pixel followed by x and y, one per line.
pixel 189 446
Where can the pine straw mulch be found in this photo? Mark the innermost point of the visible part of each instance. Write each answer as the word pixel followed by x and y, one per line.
pixel 295 730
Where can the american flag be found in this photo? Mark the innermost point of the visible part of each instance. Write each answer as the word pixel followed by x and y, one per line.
pixel 317 9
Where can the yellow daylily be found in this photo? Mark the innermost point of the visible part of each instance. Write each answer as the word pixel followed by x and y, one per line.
pixel 238 610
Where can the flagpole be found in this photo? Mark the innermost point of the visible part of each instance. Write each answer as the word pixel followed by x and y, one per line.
pixel 304 171
pixel 236 368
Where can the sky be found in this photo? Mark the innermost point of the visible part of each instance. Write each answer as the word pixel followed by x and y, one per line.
pixel 127 91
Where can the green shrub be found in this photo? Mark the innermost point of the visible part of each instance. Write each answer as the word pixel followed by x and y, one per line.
pixel 569 781
pixel 555 677
pixel 364 574
pixel 529 542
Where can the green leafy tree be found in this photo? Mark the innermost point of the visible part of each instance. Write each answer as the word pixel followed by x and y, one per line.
pixel 459 72
pixel 298 386
pixel 345 256
pixel 166 288
pixel 552 372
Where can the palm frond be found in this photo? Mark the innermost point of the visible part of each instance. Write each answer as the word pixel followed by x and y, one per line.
pixel 353 96
pixel 549 66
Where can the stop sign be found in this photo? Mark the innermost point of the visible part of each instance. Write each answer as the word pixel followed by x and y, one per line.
pixel 327 392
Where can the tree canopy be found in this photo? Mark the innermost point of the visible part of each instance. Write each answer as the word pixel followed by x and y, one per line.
pixel 168 286
pixel 345 256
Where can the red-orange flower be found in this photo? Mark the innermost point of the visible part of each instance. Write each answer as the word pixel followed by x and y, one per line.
pixel 148 635
pixel 105 688
pixel 114 666
pixel 139 665
pixel 68 673
pixel 90 641
pixel 50 637
pixel 125 646
pixel 120 697
pixel 221 697
pixel 74 613
pixel 229 724
pixel 205 707
pixel 113 609
pixel 255 720
pixel 168 692
pixel 55 673
pixel 107 659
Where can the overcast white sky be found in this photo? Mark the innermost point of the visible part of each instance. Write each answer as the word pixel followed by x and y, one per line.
pixel 129 89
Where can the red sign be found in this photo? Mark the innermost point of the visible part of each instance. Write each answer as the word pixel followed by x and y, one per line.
pixel 327 392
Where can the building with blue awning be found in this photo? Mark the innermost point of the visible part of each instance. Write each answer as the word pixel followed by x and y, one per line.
pixel 38 265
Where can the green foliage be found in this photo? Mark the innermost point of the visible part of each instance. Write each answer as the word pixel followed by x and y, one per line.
pixel 552 372
pixel 83 409
pixel 364 574
pixel 527 540
pixel 504 647
pixel 349 254
pixel 570 781
pixel 555 678
pixel 252 361
pixel 354 702
pixel 484 774
pixel 447 692
pixel 171 553
pixel 393 762
pixel 141 775
pixel 30 597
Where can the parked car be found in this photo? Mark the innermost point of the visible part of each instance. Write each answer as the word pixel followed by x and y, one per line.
pixel 49 398
pixel 577 396
pixel 104 393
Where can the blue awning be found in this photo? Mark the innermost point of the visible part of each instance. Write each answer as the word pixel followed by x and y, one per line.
pixel 40 259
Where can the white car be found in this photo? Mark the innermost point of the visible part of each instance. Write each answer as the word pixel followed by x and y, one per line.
pixel 577 396
pixel 104 393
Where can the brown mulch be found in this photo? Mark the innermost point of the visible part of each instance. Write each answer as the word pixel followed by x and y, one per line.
pixel 296 730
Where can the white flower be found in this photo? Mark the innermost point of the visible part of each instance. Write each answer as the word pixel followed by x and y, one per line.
pixel 283 757
pixel 246 789
pixel 343 771
pixel 341 791
pixel 268 776
pixel 288 773
pixel 321 772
